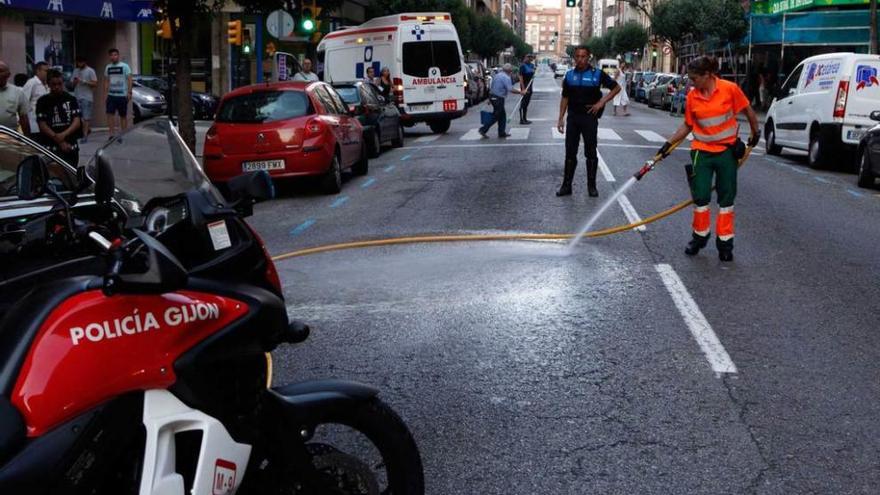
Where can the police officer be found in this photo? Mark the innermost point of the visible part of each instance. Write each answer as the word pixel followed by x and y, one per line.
pixel 526 73
pixel 582 97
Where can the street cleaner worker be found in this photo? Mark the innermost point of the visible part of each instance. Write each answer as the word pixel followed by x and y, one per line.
pixel 582 97
pixel 710 113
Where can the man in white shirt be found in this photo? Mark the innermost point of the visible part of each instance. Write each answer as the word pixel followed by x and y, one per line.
pixel 13 105
pixel 34 89
pixel 306 74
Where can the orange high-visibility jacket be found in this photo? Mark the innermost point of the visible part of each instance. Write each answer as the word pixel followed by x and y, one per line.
pixel 713 119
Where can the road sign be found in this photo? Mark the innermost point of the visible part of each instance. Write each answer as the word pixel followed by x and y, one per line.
pixel 280 24
pixel 667 49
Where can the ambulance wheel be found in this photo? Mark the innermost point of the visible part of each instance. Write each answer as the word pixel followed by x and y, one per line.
pixel 398 141
pixel 440 126
pixel 770 145
pixel 817 152
pixel 362 166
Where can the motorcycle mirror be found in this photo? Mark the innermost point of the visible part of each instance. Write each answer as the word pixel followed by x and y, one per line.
pixel 875 115
pixel 31 177
pixel 253 186
pixel 105 183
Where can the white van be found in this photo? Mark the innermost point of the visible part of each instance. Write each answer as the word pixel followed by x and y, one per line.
pixel 608 65
pixel 424 55
pixel 824 107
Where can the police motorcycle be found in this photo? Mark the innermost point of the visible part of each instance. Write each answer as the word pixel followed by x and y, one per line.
pixel 153 375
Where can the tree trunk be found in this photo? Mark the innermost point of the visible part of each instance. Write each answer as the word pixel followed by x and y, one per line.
pixel 875 49
pixel 183 104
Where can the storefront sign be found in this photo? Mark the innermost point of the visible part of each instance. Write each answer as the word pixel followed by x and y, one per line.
pixel 111 10
pixel 780 6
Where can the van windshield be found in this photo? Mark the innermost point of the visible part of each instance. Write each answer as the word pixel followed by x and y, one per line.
pixel 264 106
pixel 420 56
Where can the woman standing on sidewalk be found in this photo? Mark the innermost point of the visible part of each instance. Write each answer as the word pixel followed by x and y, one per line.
pixel 621 99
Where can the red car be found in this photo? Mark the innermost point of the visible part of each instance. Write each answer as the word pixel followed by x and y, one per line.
pixel 290 129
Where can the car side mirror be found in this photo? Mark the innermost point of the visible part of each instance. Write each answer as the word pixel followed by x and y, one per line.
pixel 105 182
pixel 875 115
pixel 31 177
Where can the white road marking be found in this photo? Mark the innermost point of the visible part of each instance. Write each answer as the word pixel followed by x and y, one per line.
pixel 609 134
pixel 471 135
pixel 498 142
pixel 651 136
pixel 428 138
pixel 557 134
pixel 630 212
pixel 604 168
pixel 518 133
pixel 699 327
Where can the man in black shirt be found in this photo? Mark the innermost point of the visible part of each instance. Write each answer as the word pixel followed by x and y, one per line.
pixel 58 116
pixel 582 97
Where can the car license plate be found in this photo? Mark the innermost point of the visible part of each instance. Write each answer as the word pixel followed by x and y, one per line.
pixel 262 165
pixel 419 108
pixel 855 134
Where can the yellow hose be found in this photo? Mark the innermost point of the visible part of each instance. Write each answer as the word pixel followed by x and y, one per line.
pixel 488 237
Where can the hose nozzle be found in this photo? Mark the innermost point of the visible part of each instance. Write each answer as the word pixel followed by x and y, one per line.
pixel 649 165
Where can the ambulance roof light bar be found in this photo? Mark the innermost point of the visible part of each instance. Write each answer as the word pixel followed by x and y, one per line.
pixel 425 18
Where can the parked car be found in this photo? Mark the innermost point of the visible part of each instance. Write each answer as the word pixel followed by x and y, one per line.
pixel 146 103
pixel 641 87
pixel 561 69
pixel 679 98
pixel 657 88
pixel 379 118
pixel 633 82
pixel 824 107
pixel 869 154
pixel 471 86
pixel 481 74
pixel 204 104
pixel 291 129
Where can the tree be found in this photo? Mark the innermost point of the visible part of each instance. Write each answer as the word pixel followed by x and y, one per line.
pixel 599 46
pixel 629 37
pixel 675 20
pixel 489 36
pixel 875 47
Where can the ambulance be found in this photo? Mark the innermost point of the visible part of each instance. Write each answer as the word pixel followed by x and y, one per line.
pixel 422 51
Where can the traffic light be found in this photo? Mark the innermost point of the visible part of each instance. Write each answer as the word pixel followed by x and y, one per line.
pixel 163 29
pixel 307 17
pixel 233 32
pixel 571 3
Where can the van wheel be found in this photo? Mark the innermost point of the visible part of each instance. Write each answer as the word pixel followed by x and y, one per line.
pixel 440 126
pixel 816 154
pixel 362 166
pixel 376 145
pixel 331 182
pixel 866 175
pixel 398 142
pixel 770 145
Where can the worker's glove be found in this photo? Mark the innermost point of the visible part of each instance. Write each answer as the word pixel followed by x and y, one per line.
pixel 753 140
pixel 664 150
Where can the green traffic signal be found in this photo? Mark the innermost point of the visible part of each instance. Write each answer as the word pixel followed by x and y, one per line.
pixel 571 3
pixel 308 25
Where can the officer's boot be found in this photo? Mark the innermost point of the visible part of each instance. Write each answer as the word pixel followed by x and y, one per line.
pixel 565 190
pixel 697 242
pixel 592 168
pixel 725 249
pixel 525 116
pixel 522 116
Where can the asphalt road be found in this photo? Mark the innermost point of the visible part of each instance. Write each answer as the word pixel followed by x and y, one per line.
pixel 625 367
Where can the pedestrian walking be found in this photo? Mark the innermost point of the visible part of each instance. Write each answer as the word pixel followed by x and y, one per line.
pixel 501 87
pixel 306 73
pixel 710 113
pixel 117 85
pixel 58 115
pixel 621 100
pixel 385 83
pixel 13 104
pixel 34 89
pixel 85 81
pixel 582 98
pixel 526 74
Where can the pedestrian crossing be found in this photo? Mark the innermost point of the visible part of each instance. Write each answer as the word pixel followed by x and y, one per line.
pixel 542 133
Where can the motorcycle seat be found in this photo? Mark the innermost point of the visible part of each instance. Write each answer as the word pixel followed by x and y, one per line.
pixel 12 430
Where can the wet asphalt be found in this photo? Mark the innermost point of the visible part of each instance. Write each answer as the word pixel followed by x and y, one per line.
pixel 521 370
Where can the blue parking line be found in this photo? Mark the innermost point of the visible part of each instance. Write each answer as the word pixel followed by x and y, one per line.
pixel 368 183
pixel 299 229
pixel 795 169
pixel 822 179
pixel 389 168
pixel 405 157
pixel 339 201
pixel 855 193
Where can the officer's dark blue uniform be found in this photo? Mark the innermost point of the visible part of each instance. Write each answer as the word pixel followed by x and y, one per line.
pixel 526 73
pixel 583 90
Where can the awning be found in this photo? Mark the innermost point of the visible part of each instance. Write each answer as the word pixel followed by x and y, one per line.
pixel 849 27
pixel 109 10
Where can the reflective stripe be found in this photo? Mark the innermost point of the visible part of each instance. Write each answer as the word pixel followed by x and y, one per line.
pixel 715 121
pixel 702 220
pixel 711 138
pixel 725 222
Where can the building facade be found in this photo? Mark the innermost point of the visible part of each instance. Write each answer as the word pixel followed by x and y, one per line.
pixel 544 31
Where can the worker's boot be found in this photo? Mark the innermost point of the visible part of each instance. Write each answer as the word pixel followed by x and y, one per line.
pixel 592 169
pixel 523 116
pixel 725 249
pixel 697 242
pixel 565 189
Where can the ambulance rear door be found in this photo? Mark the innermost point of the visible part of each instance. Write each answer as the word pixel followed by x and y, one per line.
pixel 433 73
pixel 864 97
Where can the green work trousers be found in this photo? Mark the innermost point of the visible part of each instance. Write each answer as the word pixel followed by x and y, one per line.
pixel 723 166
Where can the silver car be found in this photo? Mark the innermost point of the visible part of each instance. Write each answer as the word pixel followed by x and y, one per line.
pixel 146 102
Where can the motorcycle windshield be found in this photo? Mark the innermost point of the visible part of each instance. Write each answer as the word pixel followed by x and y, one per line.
pixel 151 161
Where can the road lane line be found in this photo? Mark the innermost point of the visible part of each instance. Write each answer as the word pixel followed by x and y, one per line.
pixel 428 138
pixel 630 212
pixel 608 134
pixel 389 168
pixel 368 183
pixel 699 327
pixel 471 135
pixel 518 133
pixel 339 201
pixel 299 229
pixel 604 168
pixel 651 136
pixel 556 133
pixel 822 179
pixel 855 193
pixel 406 157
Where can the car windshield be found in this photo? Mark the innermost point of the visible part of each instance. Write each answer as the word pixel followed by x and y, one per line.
pixel 153 83
pixel 264 106
pixel 349 94
pixel 14 149
pixel 648 78
pixel 663 79
pixel 151 161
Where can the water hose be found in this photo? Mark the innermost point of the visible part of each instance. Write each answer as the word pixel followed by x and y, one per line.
pixel 503 237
